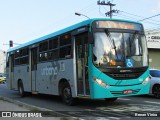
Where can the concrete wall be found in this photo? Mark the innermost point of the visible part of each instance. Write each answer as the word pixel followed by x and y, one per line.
pixel 153 42
pixel 154 58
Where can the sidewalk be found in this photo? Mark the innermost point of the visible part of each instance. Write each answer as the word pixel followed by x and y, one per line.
pixel 7 106
pixel 13 106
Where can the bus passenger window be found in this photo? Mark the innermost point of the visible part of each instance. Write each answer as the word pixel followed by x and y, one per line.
pixel 43 57
pixel 65 52
pixel 55 54
pixel 43 46
pixel 45 54
pixel 65 40
pixel 50 54
pixel 53 43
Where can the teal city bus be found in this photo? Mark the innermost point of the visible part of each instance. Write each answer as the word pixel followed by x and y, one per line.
pixel 97 58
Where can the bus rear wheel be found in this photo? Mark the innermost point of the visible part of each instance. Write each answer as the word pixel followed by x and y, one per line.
pixel 21 89
pixel 66 94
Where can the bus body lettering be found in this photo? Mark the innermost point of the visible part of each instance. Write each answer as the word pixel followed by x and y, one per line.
pixel 49 71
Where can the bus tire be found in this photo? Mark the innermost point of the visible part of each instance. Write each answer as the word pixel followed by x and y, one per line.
pixel 66 94
pixel 21 89
pixel 156 91
pixel 110 100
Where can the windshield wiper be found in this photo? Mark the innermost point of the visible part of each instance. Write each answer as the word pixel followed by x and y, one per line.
pixel 131 44
pixel 112 42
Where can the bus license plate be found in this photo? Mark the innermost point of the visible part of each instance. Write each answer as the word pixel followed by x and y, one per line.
pixel 127 92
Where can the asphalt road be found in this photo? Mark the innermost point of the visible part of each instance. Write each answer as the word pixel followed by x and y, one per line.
pixel 124 108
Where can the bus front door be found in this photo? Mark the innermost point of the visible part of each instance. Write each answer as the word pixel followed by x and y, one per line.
pixel 33 68
pixel 81 48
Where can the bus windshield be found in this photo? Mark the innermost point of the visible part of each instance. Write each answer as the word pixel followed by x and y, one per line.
pixel 119 49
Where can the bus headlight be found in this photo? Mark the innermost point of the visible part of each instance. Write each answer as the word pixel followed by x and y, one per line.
pixel 100 82
pixel 146 80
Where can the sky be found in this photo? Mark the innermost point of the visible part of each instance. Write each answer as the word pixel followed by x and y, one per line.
pixel 26 20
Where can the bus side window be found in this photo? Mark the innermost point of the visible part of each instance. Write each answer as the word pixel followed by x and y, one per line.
pixel 65 52
pixel 43 56
pixel 50 55
pixel 53 55
pixel 65 46
pixel 53 43
pixel 43 46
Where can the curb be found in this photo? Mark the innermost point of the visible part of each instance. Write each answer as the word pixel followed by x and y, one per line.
pixel 33 108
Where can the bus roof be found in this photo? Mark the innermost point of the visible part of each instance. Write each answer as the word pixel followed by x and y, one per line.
pixel 75 26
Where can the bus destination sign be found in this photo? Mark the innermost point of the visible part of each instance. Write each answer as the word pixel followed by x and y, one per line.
pixel 118 25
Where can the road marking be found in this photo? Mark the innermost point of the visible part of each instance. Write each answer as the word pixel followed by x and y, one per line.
pixel 123 99
pixel 152 102
pixel 121 109
pixel 114 118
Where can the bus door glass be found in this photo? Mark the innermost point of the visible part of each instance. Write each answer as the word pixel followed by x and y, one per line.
pixel 33 68
pixel 11 71
pixel 81 44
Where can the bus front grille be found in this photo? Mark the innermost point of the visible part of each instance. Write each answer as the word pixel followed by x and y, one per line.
pixel 124 76
pixel 124 73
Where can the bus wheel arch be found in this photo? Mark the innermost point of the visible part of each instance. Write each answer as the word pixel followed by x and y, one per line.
pixel 21 88
pixel 66 92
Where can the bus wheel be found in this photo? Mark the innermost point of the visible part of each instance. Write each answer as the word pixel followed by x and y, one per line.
pixel 21 89
pixel 156 91
pixel 66 94
pixel 110 99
